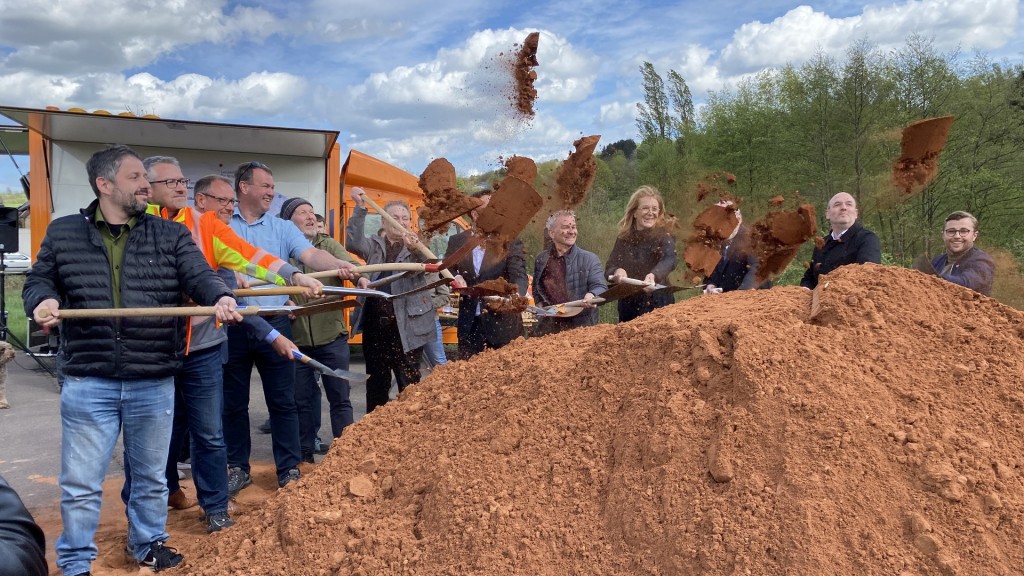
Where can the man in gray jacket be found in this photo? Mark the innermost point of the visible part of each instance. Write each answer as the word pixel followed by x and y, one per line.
pixel 394 331
pixel 565 272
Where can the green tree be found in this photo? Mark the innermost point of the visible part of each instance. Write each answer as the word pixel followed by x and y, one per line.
pixel 653 120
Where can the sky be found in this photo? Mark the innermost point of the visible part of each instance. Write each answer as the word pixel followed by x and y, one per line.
pixel 409 81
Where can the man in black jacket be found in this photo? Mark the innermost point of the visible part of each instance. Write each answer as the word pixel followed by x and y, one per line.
pixel 737 267
pixel 119 371
pixel 477 327
pixel 846 243
pixel 22 544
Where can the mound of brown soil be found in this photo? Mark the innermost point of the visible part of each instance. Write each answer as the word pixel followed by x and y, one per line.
pixel 734 434
pixel 576 174
pixel 443 202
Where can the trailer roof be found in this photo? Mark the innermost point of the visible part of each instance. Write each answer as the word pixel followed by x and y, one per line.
pixel 67 126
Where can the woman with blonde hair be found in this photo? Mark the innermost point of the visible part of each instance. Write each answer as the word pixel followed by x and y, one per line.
pixel 645 250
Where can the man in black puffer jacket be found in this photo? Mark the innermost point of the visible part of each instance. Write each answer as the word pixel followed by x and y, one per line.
pixel 119 372
pixel 846 243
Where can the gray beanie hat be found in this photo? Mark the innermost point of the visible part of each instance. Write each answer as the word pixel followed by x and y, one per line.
pixel 291 205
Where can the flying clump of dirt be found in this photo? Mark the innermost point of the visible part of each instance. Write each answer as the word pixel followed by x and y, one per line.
pixel 443 201
pixel 508 299
pixel 921 144
pixel 711 228
pixel 709 185
pixel 524 94
pixel 777 237
pixel 576 175
pixel 746 435
pixel 519 167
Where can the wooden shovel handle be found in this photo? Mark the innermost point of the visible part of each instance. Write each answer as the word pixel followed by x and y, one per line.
pixel 75 313
pixel 419 246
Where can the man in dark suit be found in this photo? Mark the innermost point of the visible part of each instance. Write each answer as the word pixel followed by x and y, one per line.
pixel 846 243
pixel 478 327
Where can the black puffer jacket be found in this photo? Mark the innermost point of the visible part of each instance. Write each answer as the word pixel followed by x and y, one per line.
pixel 160 263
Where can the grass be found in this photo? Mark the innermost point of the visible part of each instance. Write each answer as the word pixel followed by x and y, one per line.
pixel 15 311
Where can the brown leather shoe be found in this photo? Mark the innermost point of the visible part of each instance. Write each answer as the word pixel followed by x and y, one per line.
pixel 180 501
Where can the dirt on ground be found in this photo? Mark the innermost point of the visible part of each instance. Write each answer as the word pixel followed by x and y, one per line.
pixel 777 238
pixel 734 434
pixel 872 427
pixel 443 201
pixel 920 146
pixel 524 94
pixel 576 175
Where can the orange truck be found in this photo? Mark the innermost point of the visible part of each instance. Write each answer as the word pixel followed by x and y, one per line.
pixel 305 162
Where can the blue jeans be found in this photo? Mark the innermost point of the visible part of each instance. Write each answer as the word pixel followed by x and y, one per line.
pixel 335 355
pixel 278 376
pixel 93 412
pixel 434 351
pixel 198 408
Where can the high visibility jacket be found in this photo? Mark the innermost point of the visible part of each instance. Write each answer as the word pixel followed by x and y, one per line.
pixel 223 248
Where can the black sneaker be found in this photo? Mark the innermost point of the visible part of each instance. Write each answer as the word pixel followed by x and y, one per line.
pixel 308 459
pixel 319 446
pixel 292 475
pixel 237 479
pixel 218 521
pixel 161 557
pixel 265 427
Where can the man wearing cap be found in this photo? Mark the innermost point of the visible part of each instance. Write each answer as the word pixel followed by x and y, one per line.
pixel 255 189
pixel 322 337
pixel 846 243
pixel 964 263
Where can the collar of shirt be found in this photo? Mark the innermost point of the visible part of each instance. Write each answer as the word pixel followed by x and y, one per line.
pixel 478 258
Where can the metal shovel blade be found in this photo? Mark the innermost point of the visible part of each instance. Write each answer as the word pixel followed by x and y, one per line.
pixel 324 369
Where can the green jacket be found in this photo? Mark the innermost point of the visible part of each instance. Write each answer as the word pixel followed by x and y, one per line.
pixel 321 329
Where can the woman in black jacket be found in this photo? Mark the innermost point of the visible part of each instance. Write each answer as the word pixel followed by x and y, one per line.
pixel 644 250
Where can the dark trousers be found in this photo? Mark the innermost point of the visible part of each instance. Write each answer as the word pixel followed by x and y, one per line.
pixel 334 355
pixel 471 342
pixel 278 376
pixel 382 348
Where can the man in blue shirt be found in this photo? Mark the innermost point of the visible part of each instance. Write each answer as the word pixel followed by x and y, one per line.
pixel 254 184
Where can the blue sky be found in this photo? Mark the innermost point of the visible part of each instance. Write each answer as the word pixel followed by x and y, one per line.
pixel 410 81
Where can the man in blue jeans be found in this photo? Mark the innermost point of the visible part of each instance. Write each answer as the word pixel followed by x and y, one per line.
pixel 254 185
pixel 119 372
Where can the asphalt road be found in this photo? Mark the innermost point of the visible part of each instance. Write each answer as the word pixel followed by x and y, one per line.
pixel 30 430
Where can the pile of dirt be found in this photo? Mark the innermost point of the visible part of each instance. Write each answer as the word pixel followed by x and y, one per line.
pixel 443 201
pixel 576 175
pixel 778 236
pixel 734 434
pixel 921 143
pixel 524 94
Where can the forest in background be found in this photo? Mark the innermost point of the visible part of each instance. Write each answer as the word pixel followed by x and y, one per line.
pixel 827 126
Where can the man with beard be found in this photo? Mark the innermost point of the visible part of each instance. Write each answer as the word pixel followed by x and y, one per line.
pixel 964 263
pixel 119 371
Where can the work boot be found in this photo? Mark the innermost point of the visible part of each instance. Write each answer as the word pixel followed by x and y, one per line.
pixel 291 476
pixel 180 501
pixel 161 557
pixel 237 479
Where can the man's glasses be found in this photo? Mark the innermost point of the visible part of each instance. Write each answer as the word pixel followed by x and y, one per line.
pixel 951 232
pixel 172 182
pixel 224 202
pixel 245 171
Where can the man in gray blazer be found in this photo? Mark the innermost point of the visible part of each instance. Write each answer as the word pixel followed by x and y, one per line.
pixel 565 272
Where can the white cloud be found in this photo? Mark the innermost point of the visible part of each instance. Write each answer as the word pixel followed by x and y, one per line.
pixel 83 36
pixel 617 113
pixel 797 35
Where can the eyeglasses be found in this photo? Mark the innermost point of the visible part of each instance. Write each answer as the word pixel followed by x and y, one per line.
pixel 951 232
pixel 245 171
pixel 172 182
pixel 224 202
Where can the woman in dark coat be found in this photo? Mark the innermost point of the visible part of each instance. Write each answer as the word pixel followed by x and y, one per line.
pixel 644 250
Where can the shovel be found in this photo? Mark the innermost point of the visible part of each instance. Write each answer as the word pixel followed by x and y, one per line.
pixel 642 284
pixel 564 310
pixel 77 313
pixel 336 372
pixel 418 247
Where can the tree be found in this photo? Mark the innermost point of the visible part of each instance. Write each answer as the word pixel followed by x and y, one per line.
pixel 682 105
pixel 653 119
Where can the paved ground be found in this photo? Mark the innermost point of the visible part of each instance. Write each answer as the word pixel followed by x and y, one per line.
pixel 30 430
